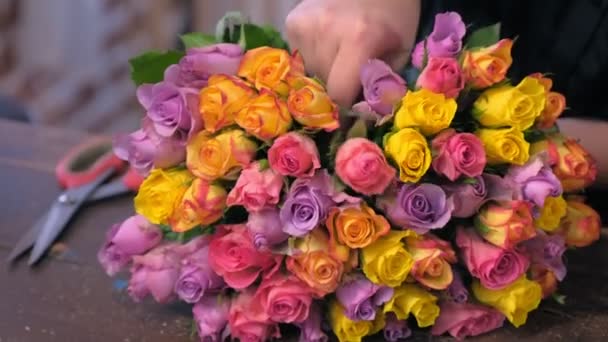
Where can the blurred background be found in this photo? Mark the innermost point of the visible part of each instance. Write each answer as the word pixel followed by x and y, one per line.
pixel 65 62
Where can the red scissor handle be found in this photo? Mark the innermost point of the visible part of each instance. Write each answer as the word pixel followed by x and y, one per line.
pixel 132 179
pixel 86 162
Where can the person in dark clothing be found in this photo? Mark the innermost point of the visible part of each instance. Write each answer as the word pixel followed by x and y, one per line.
pixel 567 39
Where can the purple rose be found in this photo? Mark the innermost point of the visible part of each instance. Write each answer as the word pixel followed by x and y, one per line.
pixel 308 203
pixel 310 329
pixel 136 235
pixel 382 87
pixel 418 55
pixel 196 277
pixel 265 228
pixel 420 207
pixel 446 38
pixel 211 317
pixel 471 194
pixel 361 298
pixel 155 273
pixel 195 68
pixel 172 110
pixel 548 251
pixel 395 329
pixel 145 149
pixel 534 181
pixel 463 319
pixel 457 291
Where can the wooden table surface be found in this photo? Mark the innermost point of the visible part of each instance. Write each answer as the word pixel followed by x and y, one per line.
pixel 69 298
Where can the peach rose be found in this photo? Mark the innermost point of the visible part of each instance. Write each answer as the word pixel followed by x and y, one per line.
pixel 256 189
pixel 488 66
pixel 505 224
pixel 202 204
pixel 581 226
pixel 221 100
pixel 312 107
pixel 432 261
pixel 269 68
pixel 265 117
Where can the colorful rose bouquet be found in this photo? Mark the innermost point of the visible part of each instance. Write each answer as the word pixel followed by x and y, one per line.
pixel 447 202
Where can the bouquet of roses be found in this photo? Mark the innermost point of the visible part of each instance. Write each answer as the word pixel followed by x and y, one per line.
pixel 448 202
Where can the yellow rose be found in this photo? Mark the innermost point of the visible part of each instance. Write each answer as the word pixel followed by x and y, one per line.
pixel 211 157
pixel 268 68
pixel 311 106
pixel 221 99
pixel 485 67
pixel 161 192
pixel 428 111
pixel 511 106
pixel 514 301
pixel 432 258
pixel 411 299
pixel 386 261
pixel 410 151
pixel 264 117
pixel 506 145
pixel 352 331
pixel 202 204
pixel 551 213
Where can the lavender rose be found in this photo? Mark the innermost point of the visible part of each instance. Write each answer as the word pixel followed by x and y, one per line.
pixel 265 228
pixel 361 298
pixel 457 291
pixel 172 110
pixel 534 181
pixel 145 149
pixel 469 195
pixel 310 329
pixel 308 203
pixel 395 329
pixel 195 68
pixel 548 251
pixel 446 38
pixel 382 87
pixel 155 273
pixel 420 207
pixel 211 317
pixel 418 55
pixel 134 236
pixel 196 277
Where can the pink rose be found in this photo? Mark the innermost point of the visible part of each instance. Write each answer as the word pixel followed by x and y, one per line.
pixel 418 54
pixel 234 257
pixel 256 189
pixel 361 165
pixel 284 299
pixel 295 155
pixel 247 324
pixel 463 320
pixel 495 267
pixel 442 76
pixel 155 273
pixel 458 154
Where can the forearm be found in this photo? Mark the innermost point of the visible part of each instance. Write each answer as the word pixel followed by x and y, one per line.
pixel 593 135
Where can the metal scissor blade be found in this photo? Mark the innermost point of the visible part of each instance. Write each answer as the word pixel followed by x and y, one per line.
pixel 109 190
pixel 60 214
pixel 28 239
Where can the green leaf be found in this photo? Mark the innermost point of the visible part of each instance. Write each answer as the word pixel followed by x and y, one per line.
pixel 560 299
pixel 470 181
pixel 357 130
pixel 336 140
pixel 197 39
pixel 481 228
pixel 253 36
pixel 263 164
pixel 227 28
pixel 150 66
pixel 484 36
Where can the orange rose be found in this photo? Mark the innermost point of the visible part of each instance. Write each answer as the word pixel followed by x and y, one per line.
pixel 555 104
pixel 488 66
pixel 314 265
pixel 355 227
pixel 505 224
pixel 545 278
pixel 221 99
pixel 432 258
pixel 268 68
pixel 221 156
pixel 265 117
pixel 202 204
pixel 581 226
pixel 546 82
pixel 572 164
pixel 312 107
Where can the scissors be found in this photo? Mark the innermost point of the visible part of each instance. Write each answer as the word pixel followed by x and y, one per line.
pixel 83 173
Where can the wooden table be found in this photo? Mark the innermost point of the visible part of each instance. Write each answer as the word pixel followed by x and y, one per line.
pixel 69 298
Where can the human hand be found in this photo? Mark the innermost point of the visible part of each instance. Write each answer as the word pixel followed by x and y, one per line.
pixel 336 37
